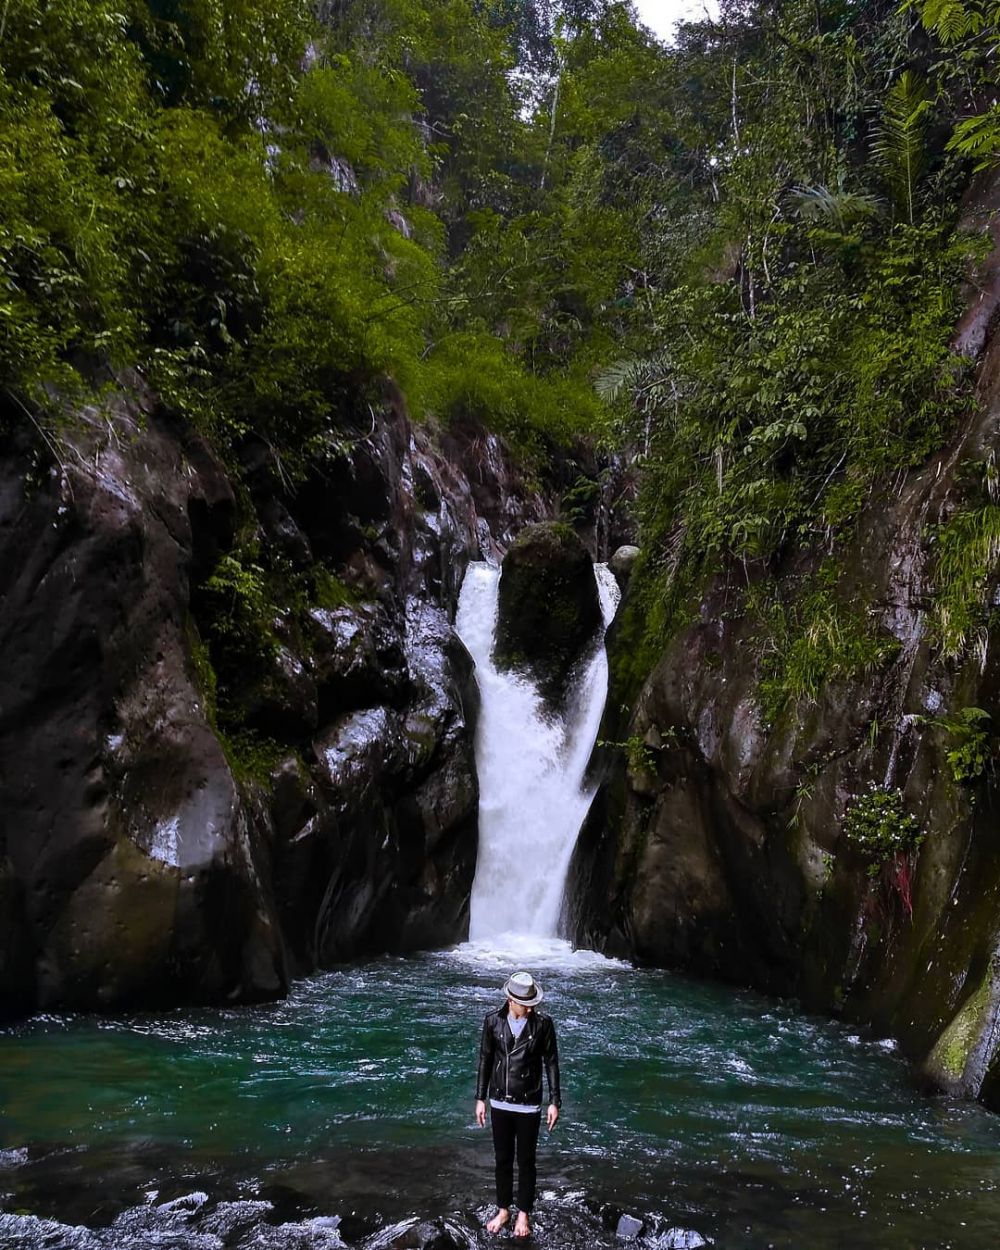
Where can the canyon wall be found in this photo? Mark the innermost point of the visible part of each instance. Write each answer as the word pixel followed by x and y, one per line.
pixel 718 842
pixel 151 853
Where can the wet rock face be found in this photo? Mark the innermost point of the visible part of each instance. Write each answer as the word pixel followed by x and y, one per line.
pixel 724 849
pixel 131 868
pixel 728 854
pixel 380 855
pixel 135 867
pixel 549 607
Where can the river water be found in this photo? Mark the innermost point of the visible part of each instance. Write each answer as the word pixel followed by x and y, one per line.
pixel 711 1115
pixel 344 1115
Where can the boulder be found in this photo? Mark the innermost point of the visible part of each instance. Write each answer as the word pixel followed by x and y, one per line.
pixel 622 562
pixel 550 611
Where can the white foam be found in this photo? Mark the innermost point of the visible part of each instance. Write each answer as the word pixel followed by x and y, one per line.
pixel 522 950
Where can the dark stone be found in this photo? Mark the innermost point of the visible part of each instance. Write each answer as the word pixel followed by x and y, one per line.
pixel 358 657
pixel 282 702
pixel 549 607
pixel 281 529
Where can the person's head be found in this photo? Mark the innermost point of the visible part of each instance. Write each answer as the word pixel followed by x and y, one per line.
pixel 523 994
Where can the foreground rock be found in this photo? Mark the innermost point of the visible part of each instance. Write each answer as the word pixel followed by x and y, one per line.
pixel 549 611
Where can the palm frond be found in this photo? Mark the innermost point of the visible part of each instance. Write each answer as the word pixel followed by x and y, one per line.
pixel 979 138
pixel 611 383
pixel 839 209
pixel 899 147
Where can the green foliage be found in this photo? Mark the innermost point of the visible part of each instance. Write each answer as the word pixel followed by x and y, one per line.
pixel 473 376
pixel 969 34
pixel 978 138
pixel 796 354
pixel 900 146
pixel 239 611
pixel 838 209
pixel 264 214
pixel 813 640
pixel 968 750
pixel 878 827
pixel 770 430
pixel 951 20
pixel 204 673
pixel 966 551
pixel 578 501
pixel 640 755
pixel 328 591
pixel 251 756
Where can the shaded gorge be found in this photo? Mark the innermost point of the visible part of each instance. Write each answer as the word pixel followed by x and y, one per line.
pixel 694 1115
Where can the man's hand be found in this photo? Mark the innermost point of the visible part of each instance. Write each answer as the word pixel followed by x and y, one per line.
pixel 551 1116
pixel 481 1113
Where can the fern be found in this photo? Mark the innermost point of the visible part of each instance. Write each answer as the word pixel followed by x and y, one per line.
pixel 950 20
pixel 900 147
pixel 978 138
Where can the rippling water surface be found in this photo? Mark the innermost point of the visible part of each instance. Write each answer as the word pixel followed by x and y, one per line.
pixel 716 1118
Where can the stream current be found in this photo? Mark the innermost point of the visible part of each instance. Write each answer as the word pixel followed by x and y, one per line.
pixel 344 1115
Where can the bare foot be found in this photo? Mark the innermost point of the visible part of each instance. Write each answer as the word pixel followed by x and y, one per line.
pixel 501 1218
pixel 522 1226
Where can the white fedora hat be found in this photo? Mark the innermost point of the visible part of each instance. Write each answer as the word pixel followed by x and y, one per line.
pixel 523 988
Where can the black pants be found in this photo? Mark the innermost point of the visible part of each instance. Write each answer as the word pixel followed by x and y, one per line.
pixel 515 1130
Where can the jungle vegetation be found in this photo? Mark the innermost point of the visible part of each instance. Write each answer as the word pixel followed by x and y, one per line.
pixel 734 259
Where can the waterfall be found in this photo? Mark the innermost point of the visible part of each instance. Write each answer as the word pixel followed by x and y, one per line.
pixel 533 796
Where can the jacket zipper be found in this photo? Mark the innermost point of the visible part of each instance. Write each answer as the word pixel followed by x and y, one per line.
pixel 508 1052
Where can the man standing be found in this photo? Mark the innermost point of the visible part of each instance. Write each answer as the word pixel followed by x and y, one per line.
pixel 517 1041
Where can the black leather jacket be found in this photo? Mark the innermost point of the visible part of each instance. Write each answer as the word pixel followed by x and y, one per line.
pixel 511 1071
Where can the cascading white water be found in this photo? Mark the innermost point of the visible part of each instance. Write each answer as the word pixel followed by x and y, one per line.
pixel 532 791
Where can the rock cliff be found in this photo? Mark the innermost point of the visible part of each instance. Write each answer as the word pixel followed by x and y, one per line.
pixel 721 844
pixel 150 853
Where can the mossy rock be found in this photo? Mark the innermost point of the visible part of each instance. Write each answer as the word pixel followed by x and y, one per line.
pixel 550 611
pixel 952 1065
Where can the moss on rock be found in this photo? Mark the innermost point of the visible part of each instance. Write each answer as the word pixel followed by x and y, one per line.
pixel 549 606
pixel 948 1063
